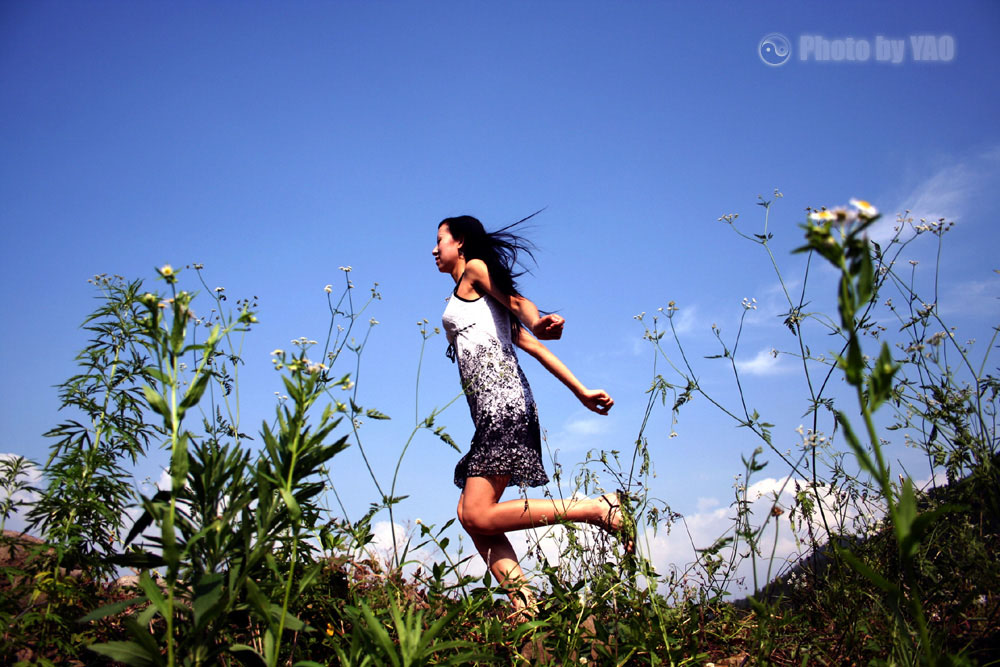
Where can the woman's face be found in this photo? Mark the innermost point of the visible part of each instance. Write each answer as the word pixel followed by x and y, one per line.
pixel 446 252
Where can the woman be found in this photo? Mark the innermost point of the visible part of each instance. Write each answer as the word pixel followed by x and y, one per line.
pixel 483 322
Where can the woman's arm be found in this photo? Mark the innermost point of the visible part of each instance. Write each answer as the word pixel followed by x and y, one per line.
pixel 548 327
pixel 597 400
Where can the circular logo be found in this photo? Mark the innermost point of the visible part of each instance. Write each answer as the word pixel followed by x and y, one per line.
pixel 774 49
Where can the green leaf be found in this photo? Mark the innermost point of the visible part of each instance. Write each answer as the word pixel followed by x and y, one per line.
pixel 868 572
pixel 157 403
pixel 195 391
pixel 213 337
pixel 372 413
pixel 129 653
pixel 864 460
pixel 309 576
pixel 440 432
pixel 178 329
pixel 258 600
pixel 292 623
pixel 111 609
pixel 247 655
pixel 179 463
pixel 154 593
pixel 854 364
pixel 207 592
pixel 291 503
pixel 380 635
pixel 880 381
pixel 142 637
pixel 866 277
pixel 156 373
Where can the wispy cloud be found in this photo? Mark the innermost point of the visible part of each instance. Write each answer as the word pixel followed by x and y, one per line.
pixel 974 296
pixel 947 192
pixel 685 320
pixel 765 363
pixel 587 426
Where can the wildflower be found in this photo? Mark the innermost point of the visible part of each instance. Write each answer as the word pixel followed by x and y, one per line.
pixel 314 368
pixel 937 338
pixel 166 270
pixel 822 216
pixel 198 267
pixel 373 321
pixel 749 304
pixel 277 353
pixel 328 289
pixel 345 269
pixel 330 629
pixel 865 210
pixel 220 289
pixel 418 522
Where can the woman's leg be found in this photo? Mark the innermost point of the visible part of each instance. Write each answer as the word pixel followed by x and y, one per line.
pixel 496 550
pixel 481 513
pixel 486 520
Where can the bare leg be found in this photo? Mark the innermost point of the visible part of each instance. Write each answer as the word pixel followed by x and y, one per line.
pixel 486 520
pixel 480 511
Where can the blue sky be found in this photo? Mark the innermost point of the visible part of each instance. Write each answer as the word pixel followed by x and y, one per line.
pixel 275 142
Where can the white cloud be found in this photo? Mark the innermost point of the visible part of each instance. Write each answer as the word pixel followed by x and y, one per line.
pixel 945 193
pixel 706 503
pixel 685 319
pixel 782 542
pixel 587 426
pixel 765 363
pixel 980 296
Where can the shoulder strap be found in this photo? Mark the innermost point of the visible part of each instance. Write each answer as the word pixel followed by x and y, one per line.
pixel 455 291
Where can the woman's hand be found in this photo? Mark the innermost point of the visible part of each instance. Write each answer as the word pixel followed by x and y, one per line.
pixel 549 327
pixel 597 400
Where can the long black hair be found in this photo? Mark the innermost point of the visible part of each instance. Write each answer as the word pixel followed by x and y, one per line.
pixel 502 251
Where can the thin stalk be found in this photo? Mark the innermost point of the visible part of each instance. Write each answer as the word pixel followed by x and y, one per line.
pixel 295 527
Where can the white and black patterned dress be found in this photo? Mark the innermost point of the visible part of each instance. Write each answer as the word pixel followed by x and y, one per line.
pixel 507 440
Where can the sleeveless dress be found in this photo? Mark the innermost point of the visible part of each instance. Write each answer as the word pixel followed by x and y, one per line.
pixel 507 439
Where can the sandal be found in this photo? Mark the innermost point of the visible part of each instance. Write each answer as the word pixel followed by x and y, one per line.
pixel 524 605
